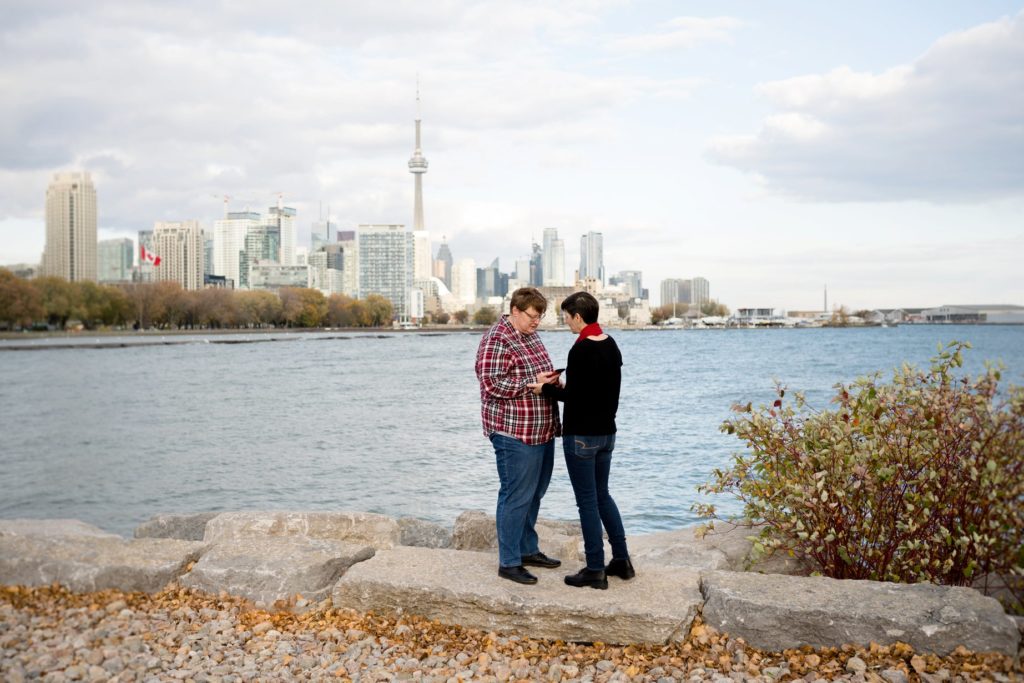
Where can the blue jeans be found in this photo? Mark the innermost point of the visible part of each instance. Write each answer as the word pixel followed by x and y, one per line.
pixel 589 460
pixel 524 472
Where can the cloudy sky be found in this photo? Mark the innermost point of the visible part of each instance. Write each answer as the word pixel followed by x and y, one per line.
pixel 772 148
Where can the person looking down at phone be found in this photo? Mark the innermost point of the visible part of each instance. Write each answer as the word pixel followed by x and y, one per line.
pixel 593 376
pixel 522 426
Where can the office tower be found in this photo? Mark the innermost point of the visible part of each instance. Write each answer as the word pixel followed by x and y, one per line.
pixel 592 257
pixel 418 166
pixel 229 243
pixel 262 243
pixel 443 264
pixel 464 281
pixel 488 281
pixel 675 291
pixel 522 271
pixel 700 291
pixel 70 251
pixel 179 244
pixel 207 255
pixel 537 266
pixel 283 218
pixel 554 259
pixel 385 264
pixel 348 262
pixel 116 259
pixel 631 281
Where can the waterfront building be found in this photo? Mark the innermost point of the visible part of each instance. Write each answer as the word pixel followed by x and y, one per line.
pixel 262 243
pixel 553 269
pixel 283 218
pixel 592 257
pixel 229 236
pixel 464 281
pixel 385 264
pixel 631 282
pixel 70 251
pixel 700 291
pixel 179 244
pixel 116 260
pixel 272 276
pixel 536 266
pixel 423 262
pixel 443 264
pixel 347 261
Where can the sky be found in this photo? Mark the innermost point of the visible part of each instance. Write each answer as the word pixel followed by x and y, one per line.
pixel 772 148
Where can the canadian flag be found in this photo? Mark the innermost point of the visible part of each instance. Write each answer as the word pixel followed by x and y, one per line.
pixel 148 256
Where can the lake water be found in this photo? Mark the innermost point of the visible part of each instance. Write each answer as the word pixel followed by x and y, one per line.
pixel 390 422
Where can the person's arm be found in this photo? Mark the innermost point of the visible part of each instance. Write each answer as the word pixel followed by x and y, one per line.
pixel 494 370
pixel 558 391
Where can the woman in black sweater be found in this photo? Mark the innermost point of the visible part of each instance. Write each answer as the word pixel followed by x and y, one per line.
pixel 591 396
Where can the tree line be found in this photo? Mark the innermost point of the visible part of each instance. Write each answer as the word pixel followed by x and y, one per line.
pixel 55 303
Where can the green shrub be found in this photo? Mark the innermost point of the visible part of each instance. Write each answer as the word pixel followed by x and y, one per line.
pixel 918 479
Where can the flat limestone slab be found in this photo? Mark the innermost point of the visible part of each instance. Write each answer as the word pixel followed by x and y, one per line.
pixel 776 612
pixel 51 527
pixel 90 563
pixel 271 569
pixel 187 527
pixel 366 528
pixel 462 587
pixel 726 547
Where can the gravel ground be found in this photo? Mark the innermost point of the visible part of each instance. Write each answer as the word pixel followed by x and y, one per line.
pixel 51 634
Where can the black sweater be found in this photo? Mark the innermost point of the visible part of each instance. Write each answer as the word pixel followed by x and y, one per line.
pixel 591 391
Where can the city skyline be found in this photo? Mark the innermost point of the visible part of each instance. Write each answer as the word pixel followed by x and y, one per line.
pixel 770 150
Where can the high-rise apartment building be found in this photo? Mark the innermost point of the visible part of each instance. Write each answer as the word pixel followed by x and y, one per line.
pixel 537 266
pixel 464 281
pixel 116 260
pixel 592 257
pixel 675 291
pixel 632 283
pixel 229 243
pixel 262 243
pixel 179 244
pixel 348 262
pixel 423 261
pixel 385 264
pixel 554 259
pixel 700 291
pixel 70 251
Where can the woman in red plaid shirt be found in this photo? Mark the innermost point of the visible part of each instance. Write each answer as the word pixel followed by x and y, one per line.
pixel 522 427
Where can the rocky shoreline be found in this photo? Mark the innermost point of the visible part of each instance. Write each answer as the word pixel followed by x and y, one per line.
pixel 303 595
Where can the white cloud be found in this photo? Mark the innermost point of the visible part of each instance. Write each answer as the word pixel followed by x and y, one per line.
pixel 680 33
pixel 946 127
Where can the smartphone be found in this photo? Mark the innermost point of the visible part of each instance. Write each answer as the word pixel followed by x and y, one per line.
pixel 559 369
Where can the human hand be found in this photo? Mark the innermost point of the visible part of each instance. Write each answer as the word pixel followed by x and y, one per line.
pixel 537 387
pixel 548 377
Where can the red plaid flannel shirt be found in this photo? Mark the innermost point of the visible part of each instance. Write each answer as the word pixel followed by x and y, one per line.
pixel 506 363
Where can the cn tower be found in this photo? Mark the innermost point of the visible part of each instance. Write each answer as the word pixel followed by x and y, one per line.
pixel 418 166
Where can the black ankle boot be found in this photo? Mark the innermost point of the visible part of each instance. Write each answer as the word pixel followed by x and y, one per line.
pixel 621 568
pixel 594 578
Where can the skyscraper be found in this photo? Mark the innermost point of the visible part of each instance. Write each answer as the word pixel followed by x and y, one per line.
pixel 229 243
pixel 70 250
pixel 675 291
pixel 180 247
pixel 262 243
pixel 385 264
pixel 592 256
pixel 700 291
pixel 554 259
pixel 116 258
pixel 443 264
pixel 283 218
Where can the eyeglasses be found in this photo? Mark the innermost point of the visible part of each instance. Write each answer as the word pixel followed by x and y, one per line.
pixel 533 318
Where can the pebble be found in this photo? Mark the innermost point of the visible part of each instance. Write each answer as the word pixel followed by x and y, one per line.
pixel 49 634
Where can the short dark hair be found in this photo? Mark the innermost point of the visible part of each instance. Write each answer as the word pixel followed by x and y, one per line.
pixel 583 303
pixel 524 297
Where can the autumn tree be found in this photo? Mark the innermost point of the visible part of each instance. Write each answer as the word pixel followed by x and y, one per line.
pixel 461 316
pixel 485 316
pixel 381 310
pixel 20 303
pixel 303 307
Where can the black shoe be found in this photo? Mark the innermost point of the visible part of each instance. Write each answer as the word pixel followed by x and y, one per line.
pixel 539 559
pixel 594 578
pixel 620 568
pixel 517 574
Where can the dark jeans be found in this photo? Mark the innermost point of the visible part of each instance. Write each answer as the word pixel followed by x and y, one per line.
pixel 589 460
pixel 524 472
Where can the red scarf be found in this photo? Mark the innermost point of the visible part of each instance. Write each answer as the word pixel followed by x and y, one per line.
pixel 591 330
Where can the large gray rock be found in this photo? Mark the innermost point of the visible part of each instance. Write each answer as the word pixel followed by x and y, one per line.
pixel 459 587
pixel 776 612
pixel 88 563
pixel 365 528
pixel 423 534
pixel 726 547
pixel 476 530
pixel 51 527
pixel 185 527
pixel 271 569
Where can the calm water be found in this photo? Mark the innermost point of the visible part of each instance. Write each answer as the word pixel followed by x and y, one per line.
pixel 391 424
